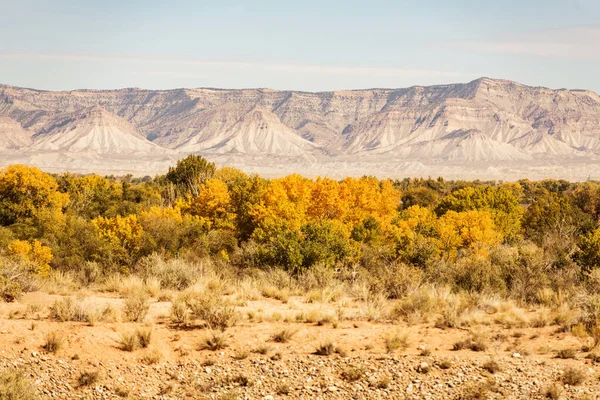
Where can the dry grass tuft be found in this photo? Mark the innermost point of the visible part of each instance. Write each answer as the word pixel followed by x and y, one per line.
pixel 128 341
pixel 395 341
pixel 214 341
pixel 144 336
pixel 566 354
pixel 53 342
pixel 574 376
pixel 475 343
pixel 136 307
pixel 15 386
pixel 492 366
pixel 353 373
pixel 152 357
pixel 284 336
pixel 88 378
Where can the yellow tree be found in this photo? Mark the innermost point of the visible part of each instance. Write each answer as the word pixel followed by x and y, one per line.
pixel 33 252
pixel 122 236
pixel 474 230
pixel 213 203
pixel 25 191
pixel 325 201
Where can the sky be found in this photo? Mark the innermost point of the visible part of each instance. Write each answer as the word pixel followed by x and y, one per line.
pixel 311 45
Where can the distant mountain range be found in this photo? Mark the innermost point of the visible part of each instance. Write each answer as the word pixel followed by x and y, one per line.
pixel 486 128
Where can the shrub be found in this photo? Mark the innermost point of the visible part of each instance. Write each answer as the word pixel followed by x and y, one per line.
pixel 241 355
pixel 395 279
pixel 88 378
pixel 128 341
pixel 89 273
pixel 475 343
pixel 566 353
pixel 492 366
pixel 574 376
pixel 179 313
pixel 383 382
pixel 15 386
pixel 553 391
pixel 144 336
pixel 325 349
pixel 214 340
pixel 263 350
pixel 353 373
pixel 53 342
pixel 9 290
pixel 283 336
pixel 136 307
pixel 283 389
pixel 395 341
pixel 216 312
pixel 66 309
pixel 151 357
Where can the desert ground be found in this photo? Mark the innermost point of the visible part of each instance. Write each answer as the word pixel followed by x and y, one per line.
pixel 320 345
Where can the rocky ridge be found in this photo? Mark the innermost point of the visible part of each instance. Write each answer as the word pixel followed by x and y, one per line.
pixel 495 127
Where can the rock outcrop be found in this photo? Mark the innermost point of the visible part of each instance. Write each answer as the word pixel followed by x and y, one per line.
pixel 479 124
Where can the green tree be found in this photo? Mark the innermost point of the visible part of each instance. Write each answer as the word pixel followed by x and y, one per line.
pixel 190 173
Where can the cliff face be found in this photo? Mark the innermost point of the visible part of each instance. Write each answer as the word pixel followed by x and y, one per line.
pixel 485 121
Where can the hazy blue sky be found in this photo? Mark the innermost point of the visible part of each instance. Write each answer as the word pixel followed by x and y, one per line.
pixel 305 44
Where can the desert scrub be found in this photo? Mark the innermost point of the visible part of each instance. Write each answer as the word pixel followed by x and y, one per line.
pixel 353 373
pixel 128 341
pixel 214 340
pixel 216 312
pixel 9 290
pixel 328 348
pixel 15 386
pixel 284 336
pixel 136 307
pixel 395 341
pixel 144 336
pixel 88 378
pixel 566 353
pixel 574 376
pixel 492 366
pixel 475 343
pixel 53 342
pixel 151 357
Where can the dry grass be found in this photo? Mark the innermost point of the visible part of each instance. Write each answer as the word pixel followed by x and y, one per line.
pixel 566 354
pixel 136 307
pixel 15 386
pixel 476 342
pixel 553 391
pixel 284 336
pixel 492 366
pixel 144 336
pixel 53 342
pixel 395 341
pixel 216 312
pixel 128 341
pixel 353 373
pixel 574 376
pixel 151 357
pixel 262 350
pixel 88 378
pixel 326 348
pixel 214 341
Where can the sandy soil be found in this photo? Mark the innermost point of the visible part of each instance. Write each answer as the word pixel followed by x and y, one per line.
pixel 525 357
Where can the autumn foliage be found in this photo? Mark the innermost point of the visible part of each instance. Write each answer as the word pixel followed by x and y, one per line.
pixel 470 235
